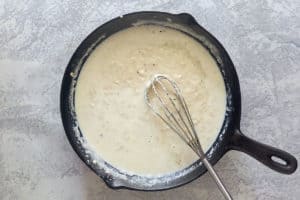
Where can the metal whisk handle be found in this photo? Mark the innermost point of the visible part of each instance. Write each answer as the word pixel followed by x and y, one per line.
pixel 217 179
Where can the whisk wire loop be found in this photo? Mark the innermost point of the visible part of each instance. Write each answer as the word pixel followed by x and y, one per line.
pixel 172 109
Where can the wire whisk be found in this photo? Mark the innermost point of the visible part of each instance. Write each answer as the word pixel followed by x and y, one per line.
pixel 164 98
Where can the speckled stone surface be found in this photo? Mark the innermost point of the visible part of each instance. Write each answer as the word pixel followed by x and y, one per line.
pixel 37 39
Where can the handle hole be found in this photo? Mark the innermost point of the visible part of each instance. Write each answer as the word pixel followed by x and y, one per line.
pixel 278 160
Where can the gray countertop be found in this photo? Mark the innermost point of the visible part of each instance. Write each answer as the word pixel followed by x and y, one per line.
pixel 37 39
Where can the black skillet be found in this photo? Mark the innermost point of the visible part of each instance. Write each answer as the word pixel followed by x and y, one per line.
pixel 229 138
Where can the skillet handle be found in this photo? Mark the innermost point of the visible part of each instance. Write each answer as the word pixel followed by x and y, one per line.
pixel 264 153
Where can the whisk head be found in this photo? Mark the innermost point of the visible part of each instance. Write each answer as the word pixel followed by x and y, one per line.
pixel 164 98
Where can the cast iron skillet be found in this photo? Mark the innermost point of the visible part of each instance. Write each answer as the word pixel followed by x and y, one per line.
pixel 229 138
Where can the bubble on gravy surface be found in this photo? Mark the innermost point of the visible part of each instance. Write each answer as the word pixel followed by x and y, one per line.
pixel 110 106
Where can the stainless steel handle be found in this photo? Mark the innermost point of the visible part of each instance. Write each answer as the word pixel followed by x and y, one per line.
pixel 217 179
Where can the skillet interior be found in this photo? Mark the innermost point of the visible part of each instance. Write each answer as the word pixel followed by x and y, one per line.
pixel 112 176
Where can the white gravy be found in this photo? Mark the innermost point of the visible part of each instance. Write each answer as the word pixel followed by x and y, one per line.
pixel 110 104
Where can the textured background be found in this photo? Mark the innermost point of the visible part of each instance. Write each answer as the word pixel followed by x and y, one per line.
pixel 37 39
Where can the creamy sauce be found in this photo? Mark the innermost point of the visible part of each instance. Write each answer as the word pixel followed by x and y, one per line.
pixel 110 106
